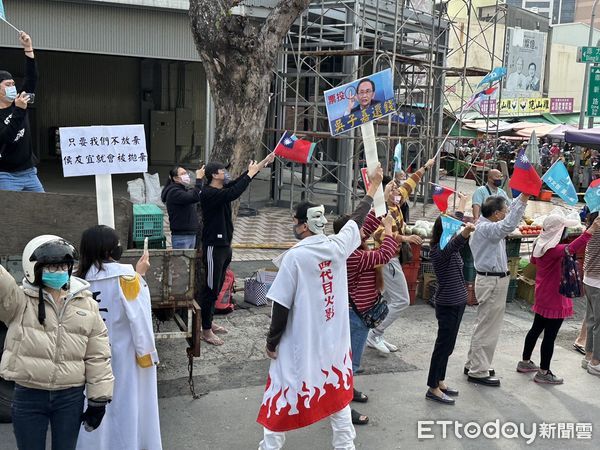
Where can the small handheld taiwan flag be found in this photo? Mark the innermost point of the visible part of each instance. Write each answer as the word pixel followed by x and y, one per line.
pixel 294 149
pixel 525 179
pixel 440 196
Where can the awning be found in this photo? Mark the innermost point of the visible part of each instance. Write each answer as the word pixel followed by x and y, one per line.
pixel 586 138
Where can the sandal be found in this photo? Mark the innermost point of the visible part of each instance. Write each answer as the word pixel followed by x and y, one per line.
pixel 219 329
pixel 212 340
pixel 358 418
pixel 579 348
pixel 359 397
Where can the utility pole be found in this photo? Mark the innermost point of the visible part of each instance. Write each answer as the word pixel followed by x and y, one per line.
pixel 586 84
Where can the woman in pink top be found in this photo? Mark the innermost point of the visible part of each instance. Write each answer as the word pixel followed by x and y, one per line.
pixel 550 307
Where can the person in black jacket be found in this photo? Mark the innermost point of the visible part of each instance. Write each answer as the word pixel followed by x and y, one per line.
pixel 17 160
pixel 217 234
pixel 181 203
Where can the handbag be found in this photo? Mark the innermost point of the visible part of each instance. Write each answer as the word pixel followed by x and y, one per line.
pixel 255 292
pixel 374 315
pixel 406 254
pixel 570 284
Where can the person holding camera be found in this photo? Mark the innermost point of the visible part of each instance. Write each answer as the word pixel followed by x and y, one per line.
pixel 17 160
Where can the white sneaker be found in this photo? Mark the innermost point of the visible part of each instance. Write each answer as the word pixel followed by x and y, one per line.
pixel 584 363
pixel 593 370
pixel 377 342
pixel 391 347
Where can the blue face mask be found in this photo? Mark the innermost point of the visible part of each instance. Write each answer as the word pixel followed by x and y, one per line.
pixel 226 177
pixel 55 280
pixel 10 92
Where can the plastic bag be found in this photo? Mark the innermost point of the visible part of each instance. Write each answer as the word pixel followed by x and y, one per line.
pixel 137 191
pixel 153 190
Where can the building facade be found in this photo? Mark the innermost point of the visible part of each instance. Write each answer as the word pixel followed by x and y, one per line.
pixel 557 11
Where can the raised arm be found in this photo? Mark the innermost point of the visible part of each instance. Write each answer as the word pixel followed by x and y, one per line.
pixel 499 230
pixel 411 182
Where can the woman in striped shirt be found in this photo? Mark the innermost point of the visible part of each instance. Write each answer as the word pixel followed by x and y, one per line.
pixel 363 293
pixel 450 301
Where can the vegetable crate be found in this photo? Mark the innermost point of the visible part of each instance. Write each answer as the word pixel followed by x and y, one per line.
pixel 147 222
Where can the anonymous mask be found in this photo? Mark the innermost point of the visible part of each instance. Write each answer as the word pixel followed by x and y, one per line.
pixel 316 219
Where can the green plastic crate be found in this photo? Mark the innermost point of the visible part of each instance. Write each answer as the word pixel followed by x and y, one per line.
pixel 469 273
pixel 147 222
pixel 153 242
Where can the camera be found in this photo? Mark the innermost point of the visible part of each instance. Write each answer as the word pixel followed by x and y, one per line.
pixel 31 98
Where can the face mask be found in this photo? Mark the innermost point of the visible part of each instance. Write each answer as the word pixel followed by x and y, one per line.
pixel 497 183
pixel 226 178
pixel 10 93
pixel 185 179
pixel 55 280
pixel 116 253
pixel 296 234
pixel 397 199
pixel 316 219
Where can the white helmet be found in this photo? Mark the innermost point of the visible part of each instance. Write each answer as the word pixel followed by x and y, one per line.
pixel 46 249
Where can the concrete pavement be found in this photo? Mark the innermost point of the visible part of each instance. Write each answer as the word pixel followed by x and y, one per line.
pixel 234 376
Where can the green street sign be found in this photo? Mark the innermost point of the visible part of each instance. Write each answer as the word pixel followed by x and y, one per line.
pixel 593 100
pixel 588 54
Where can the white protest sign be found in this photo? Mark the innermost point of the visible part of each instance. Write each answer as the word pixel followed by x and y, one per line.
pixel 370 145
pixel 103 149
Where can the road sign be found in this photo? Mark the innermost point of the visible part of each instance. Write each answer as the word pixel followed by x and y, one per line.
pixel 588 54
pixel 593 102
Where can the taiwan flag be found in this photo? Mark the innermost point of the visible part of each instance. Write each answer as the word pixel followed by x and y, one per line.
pixel 294 149
pixel 525 179
pixel 440 196
pixel 592 196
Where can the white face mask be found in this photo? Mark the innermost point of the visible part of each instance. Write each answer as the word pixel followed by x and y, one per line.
pixel 185 178
pixel 315 219
pixel 10 92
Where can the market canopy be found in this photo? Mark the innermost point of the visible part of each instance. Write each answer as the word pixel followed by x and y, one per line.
pixel 586 138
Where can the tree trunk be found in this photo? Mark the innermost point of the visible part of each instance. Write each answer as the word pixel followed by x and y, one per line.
pixel 239 57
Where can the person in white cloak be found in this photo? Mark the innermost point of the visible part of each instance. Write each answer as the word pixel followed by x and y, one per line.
pixel 310 377
pixel 131 421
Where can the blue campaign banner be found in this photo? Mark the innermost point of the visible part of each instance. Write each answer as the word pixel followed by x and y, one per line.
pixel 359 102
pixel 2 14
pixel 592 196
pixel 450 226
pixel 557 178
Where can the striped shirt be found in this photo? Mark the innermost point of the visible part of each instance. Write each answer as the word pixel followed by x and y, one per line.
pixel 362 282
pixel 591 262
pixel 448 268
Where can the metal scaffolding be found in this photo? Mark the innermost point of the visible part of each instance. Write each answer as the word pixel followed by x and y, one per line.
pixel 338 41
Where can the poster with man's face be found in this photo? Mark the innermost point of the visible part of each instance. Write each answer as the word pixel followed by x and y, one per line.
pixel 525 56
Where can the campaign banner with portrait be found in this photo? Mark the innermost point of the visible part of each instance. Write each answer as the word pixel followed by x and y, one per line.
pixel 359 102
pixel 525 54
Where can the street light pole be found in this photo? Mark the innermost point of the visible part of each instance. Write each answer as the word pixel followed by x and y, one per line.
pixel 586 82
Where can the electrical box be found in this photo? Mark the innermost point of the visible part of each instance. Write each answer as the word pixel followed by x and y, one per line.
pixel 184 127
pixel 162 137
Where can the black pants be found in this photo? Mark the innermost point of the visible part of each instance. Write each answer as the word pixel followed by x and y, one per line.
pixel 449 318
pixel 216 261
pixel 550 328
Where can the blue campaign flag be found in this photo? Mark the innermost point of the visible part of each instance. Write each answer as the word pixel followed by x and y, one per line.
pixel 497 74
pixel 2 14
pixel 557 178
pixel 450 226
pixel 592 196
pixel 398 158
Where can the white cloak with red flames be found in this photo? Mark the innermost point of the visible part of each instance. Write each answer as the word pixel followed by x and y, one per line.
pixel 312 375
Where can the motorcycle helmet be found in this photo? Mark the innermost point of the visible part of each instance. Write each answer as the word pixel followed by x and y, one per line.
pixel 41 251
